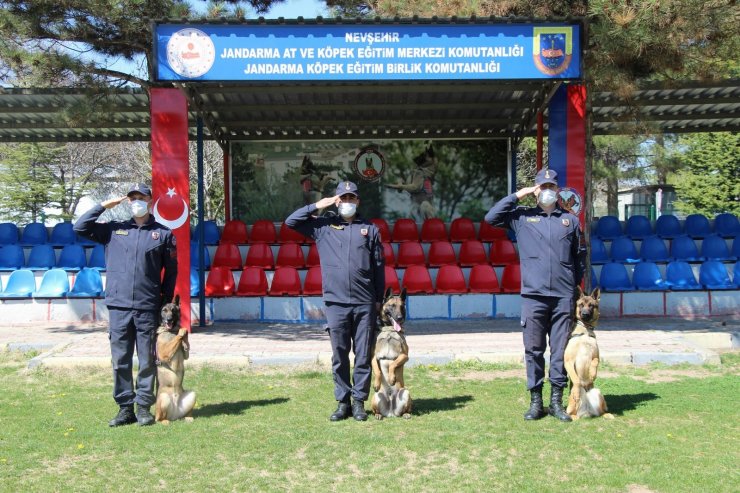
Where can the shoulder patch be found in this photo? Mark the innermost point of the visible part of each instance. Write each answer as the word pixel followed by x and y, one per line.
pixel 566 222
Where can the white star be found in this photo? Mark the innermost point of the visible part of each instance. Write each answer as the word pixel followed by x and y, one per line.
pixel 170 192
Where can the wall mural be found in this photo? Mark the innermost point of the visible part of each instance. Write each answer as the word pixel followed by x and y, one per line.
pixel 396 178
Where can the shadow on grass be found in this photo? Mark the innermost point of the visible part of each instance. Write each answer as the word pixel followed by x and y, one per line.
pixel 427 406
pixel 619 403
pixel 238 407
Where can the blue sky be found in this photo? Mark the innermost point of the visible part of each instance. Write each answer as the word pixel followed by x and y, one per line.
pixel 289 9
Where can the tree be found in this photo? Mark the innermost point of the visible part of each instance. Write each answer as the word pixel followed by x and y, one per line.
pixel 710 182
pixel 25 181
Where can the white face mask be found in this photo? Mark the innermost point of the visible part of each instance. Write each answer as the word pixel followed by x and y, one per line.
pixel 347 209
pixel 547 197
pixel 139 208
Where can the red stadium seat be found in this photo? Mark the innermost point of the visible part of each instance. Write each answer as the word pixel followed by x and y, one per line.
pixel 450 279
pixel 391 279
pixel 263 231
pixel 260 255
pixel 486 232
pixel 235 231
pixel 511 279
pixel 433 229
pixel 405 229
pixel 390 257
pixel 312 283
pixel 288 235
pixel 220 282
pixel 385 231
pixel 462 229
pixel 483 279
pixel 503 252
pixel 313 256
pixel 253 282
pixel 286 281
pixel 410 253
pixel 290 254
pixel 472 253
pixel 441 253
pixel 227 255
pixel 416 279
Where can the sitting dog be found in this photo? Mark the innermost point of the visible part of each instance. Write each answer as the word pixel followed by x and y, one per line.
pixel 172 350
pixel 391 353
pixel 582 360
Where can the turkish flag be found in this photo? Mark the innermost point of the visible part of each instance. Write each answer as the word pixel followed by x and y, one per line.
pixel 170 183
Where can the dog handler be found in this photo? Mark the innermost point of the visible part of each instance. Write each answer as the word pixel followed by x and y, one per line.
pixel 552 254
pixel 141 272
pixel 353 280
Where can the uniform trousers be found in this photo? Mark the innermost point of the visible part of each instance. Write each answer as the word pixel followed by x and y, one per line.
pixel 543 317
pixel 351 327
pixel 129 328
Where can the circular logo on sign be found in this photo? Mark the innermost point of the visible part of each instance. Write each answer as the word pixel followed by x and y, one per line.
pixel 190 52
pixel 369 163
pixel 570 200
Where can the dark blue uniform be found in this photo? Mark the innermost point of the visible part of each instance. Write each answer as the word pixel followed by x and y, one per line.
pixel 552 256
pixel 141 273
pixel 353 279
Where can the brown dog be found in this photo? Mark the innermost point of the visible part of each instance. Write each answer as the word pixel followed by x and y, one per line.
pixel 582 360
pixel 172 350
pixel 391 353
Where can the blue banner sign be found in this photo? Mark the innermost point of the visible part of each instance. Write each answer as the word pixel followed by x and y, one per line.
pixel 367 52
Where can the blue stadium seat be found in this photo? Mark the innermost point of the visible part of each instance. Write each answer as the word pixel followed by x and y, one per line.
pixel 594 279
pixel 62 234
pixel 599 254
pixel 647 277
pixel 727 225
pixel 653 249
pixel 21 284
pixel 34 234
pixel 638 227
pixel 8 234
pixel 211 232
pixel 736 274
pixel 54 284
pixel 194 283
pixel 697 226
pixel 713 275
pixel 680 276
pixel 194 256
pixel 11 257
pixel 614 277
pixel 72 257
pixel 608 228
pixel 81 240
pixel 88 284
pixel 97 257
pixel 42 257
pixel 623 250
pixel 684 248
pixel 736 248
pixel 668 226
pixel 714 247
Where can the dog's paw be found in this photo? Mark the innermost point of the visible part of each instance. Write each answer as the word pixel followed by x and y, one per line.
pixel 379 417
pixel 188 419
pixel 608 416
pixel 392 379
pixel 165 422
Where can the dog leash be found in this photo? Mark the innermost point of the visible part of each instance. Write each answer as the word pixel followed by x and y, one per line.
pixel 589 331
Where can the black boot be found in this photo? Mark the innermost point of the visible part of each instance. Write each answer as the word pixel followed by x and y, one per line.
pixel 341 413
pixel 358 411
pixel 125 416
pixel 536 410
pixel 143 416
pixel 556 405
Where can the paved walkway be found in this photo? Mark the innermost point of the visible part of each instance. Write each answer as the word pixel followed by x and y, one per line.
pixel 622 341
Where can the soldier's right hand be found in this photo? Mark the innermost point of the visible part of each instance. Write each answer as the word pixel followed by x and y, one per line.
pixel 109 204
pixel 520 194
pixel 327 201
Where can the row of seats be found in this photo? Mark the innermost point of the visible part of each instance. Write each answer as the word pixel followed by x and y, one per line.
pixel 654 249
pixel 43 257
pixel 37 234
pixel 55 283
pixel 667 226
pixel 679 276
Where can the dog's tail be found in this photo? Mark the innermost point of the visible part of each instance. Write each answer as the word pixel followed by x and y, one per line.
pixel 593 404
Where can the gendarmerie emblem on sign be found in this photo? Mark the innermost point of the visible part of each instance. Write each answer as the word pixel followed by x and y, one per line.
pixel 369 164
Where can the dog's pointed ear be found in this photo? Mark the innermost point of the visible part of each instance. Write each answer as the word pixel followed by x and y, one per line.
pixel 388 294
pixel 177 300
pixel 596 294
pixel 403 295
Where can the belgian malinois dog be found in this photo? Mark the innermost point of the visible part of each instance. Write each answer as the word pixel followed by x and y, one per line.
pixel 582 360
pixel 173 349
pixel 391 353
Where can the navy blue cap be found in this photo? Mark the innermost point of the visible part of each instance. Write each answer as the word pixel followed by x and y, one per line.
pixel 546 176
pixel 142 188
pixel 346 187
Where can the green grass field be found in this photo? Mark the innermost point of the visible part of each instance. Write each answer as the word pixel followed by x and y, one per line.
pixel 675 430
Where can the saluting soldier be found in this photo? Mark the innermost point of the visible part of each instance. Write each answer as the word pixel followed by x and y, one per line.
pixel 141 273
pixel 552 255
pixel 353 280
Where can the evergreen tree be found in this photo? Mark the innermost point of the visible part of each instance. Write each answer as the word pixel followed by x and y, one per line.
pixel 26 183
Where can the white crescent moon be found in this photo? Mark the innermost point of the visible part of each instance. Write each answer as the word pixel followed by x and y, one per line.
pixel 173 225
